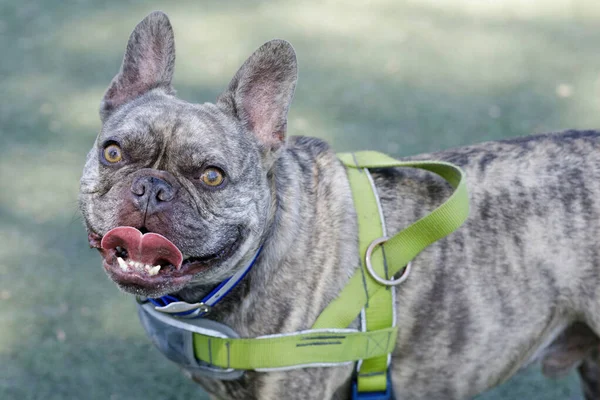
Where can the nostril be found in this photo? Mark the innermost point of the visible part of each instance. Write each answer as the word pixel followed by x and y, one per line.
pixel 138 188
pixel 150 192
pixel 164 195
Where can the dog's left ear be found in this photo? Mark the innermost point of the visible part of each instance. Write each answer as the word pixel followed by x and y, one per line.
pixel 148 63
pixel 260 93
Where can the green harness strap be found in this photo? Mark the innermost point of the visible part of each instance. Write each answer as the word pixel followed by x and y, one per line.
pixel 405 245
pixel 329 343
pixel 379 310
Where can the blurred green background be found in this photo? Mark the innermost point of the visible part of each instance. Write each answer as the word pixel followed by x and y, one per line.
pixel 397 76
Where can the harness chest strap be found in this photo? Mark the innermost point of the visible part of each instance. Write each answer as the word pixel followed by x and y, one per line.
pixel 311 348
pixel 379 310
pixel 330 342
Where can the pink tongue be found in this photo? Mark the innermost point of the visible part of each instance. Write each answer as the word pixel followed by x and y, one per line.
pixel 150 248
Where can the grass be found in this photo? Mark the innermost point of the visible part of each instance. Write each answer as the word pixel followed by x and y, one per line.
pixel 397 76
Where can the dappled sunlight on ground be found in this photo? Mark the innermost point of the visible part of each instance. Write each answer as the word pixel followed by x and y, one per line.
pixel 397 76
pixel 28 196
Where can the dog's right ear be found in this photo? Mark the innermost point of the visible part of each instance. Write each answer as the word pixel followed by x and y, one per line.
pixel 148 63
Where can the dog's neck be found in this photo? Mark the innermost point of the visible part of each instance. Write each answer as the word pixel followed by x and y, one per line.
pixel 309 249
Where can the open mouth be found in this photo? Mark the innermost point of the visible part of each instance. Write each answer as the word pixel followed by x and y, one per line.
pixel 138 259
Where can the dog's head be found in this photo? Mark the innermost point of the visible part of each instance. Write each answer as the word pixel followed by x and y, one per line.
pixel 176 194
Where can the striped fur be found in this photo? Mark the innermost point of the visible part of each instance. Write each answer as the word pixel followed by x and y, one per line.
pixel 519 281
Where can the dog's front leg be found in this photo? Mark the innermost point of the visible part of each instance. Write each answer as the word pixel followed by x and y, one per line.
pixel 589 373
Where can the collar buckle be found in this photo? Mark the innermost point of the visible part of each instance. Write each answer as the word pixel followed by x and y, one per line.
pixel 171 305
pixel 185 310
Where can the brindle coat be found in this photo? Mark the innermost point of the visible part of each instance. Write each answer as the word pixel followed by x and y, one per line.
pixel 519 281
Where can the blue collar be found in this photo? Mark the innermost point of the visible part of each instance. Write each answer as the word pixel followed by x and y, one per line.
pixel 172 305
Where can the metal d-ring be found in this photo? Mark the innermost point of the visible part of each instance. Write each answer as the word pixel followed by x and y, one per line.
pixel 386 282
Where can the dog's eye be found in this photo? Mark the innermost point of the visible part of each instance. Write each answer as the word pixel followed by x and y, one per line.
pixel 112 153
pixel 212 176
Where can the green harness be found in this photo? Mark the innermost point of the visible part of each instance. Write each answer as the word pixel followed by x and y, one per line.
pixel 369 293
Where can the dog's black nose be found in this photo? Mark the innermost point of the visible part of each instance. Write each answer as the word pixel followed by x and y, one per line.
pixel 151 194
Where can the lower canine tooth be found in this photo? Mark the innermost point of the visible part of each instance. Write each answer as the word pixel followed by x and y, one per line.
pixel 122 263
pixel 154 270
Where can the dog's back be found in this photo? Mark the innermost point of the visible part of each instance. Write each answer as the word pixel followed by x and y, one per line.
pixel 523 270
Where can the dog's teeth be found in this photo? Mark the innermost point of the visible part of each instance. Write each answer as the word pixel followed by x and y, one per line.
pixel 139 266
pixel 154 270
pixel 122 263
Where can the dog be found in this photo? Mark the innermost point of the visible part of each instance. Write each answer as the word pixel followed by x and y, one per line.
pixel 519 282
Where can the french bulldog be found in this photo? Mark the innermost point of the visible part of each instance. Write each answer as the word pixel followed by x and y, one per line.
pixel 195 190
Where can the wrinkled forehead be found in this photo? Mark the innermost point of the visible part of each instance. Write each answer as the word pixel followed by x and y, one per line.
pixel 193 134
